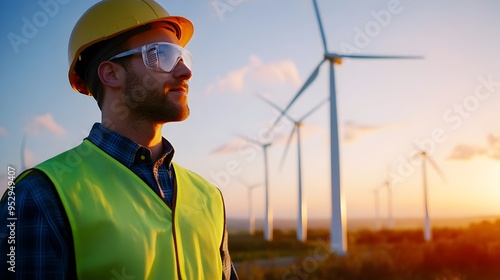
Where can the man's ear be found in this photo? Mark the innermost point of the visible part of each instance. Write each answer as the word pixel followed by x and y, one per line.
pixel 111 74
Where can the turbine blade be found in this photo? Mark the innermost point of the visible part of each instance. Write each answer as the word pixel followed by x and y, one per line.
pixel 379 187
pixel 331 56
pixel 285 152
pixel 248 186
pixel 320 24
pixel 388 174
pixel 275 107
pixel 311 78
pixel 314 109
pixel 250 140
pixel 243 182
pixel 436 167
pixel 269 102
pixel 251 187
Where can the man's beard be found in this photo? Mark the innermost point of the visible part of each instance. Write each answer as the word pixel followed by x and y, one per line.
pixel 146 99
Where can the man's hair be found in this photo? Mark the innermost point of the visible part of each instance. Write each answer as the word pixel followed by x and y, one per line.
pixel 93 56
pixel 92 77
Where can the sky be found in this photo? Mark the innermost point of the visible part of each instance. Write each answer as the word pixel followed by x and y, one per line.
pixel 446 103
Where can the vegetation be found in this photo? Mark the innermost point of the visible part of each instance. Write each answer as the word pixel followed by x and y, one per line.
pixel 453 254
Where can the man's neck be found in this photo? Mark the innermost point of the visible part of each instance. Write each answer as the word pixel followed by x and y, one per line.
pixel 143 133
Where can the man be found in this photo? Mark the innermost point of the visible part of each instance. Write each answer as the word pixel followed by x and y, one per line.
pixel 116 206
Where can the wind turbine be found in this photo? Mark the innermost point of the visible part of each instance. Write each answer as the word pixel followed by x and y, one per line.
pixel 377 210
pixel 338 231
pixel 427 222
pixel 302 209
pixel 23 153
pixel 268 219
pixel 251 218
pixel 390 218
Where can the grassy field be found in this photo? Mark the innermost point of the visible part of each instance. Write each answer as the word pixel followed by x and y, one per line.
pixel 471 252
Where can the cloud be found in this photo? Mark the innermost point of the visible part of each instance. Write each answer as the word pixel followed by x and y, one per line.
pixel 467 152
pixel 255 71
pixel 281 71
pixel 232 82
pixel 494 146
pixel 353 131
pixel 231 147
pixel 3 131
pixel 47 122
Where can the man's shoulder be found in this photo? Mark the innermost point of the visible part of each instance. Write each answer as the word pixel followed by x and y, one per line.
pixel 36 179
pixel 33 182
pixel 70 157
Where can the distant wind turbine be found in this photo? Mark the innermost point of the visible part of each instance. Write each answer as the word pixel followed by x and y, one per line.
pixel 425 157
pixel 23 153
pixel 338 231
pixel 302 209
pixel 251 218
pixel 390 220
pixel 377 209
pixel 268 223
pixel 390 217
pixel 387 184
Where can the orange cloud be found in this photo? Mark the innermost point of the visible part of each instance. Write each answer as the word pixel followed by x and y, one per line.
pixel 29 158
pixel 467 152
pixel 353 131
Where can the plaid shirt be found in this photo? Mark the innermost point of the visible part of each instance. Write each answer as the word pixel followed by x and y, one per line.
pixel 44 244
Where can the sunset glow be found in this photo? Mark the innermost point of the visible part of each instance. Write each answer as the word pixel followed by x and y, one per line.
pixel 446 104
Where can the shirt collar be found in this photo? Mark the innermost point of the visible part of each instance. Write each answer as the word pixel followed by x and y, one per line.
pixel 125 150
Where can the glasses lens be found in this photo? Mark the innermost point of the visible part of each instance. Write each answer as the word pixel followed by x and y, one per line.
pixel 169 55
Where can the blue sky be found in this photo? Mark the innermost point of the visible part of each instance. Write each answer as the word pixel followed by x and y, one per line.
pixel 446 103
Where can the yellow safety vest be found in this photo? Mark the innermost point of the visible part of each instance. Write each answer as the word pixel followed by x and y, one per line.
pixel 123 230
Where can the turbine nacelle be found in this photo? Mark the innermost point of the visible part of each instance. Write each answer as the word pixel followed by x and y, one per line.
pixel 337 58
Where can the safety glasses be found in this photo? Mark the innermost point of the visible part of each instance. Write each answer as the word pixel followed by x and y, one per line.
pixel 160 56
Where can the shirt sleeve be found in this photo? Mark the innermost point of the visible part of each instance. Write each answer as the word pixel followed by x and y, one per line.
pixel 42 239
pixel 228 270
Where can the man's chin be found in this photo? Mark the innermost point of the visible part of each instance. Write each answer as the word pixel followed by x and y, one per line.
pixel 180 117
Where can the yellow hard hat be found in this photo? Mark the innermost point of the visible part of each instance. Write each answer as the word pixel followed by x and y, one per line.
pixel 110 18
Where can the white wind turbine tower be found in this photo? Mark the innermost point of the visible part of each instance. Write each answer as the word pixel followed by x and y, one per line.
pixel 268 219
pixel 251 218
pixel 338 231
pixel 425 157
pixel 302 209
